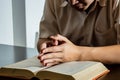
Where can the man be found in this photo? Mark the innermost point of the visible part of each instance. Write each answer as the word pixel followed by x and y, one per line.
pixel 80 30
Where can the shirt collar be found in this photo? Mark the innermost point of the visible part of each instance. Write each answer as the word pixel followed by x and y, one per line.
pixel 101 3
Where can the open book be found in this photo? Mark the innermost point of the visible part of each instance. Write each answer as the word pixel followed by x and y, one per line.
pixel 77 70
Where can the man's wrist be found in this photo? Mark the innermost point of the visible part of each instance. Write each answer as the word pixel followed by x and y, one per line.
pixel 86 53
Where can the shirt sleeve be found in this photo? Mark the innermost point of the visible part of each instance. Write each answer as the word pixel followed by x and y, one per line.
pixel 48 24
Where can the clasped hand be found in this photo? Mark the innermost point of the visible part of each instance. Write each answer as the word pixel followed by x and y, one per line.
pixel 62 50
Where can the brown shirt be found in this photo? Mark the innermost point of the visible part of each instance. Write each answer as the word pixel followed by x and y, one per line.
pixel 99 27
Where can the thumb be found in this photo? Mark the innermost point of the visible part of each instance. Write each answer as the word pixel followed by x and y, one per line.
pixel 60 38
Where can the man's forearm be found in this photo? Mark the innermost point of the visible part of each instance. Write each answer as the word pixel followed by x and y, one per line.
pixel 107 54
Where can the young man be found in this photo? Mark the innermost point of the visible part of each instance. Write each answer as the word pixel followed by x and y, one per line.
pixel 80 30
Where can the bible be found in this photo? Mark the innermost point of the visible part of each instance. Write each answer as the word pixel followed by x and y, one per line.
pixel 75 70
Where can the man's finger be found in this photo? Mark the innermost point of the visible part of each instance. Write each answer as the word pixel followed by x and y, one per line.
pixel 51 64
pixel 60 38
pixel 43 46
pixel 55 42
pixel 52 49
pixel 51 56
pixel 52 60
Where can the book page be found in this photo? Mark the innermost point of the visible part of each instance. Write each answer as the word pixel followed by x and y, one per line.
pixel 31 62
pixel 71 68
pixel 93 72
pixel 24 69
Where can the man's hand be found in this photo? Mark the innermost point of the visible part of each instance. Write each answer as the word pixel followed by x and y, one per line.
pixel 44 43
pixel 64 52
